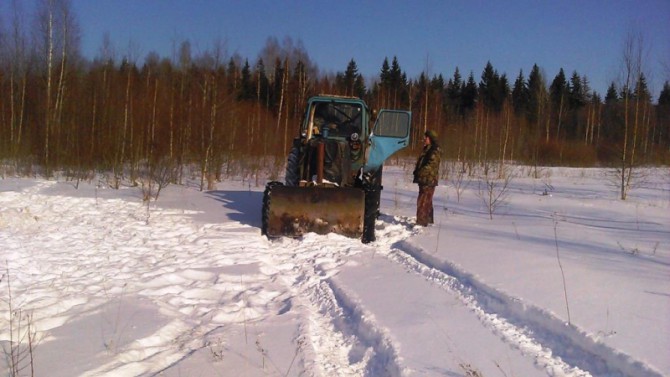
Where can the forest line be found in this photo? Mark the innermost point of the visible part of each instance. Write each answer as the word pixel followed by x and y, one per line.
pixel 61 111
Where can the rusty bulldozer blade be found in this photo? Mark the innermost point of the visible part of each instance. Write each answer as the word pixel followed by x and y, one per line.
pixel 294 211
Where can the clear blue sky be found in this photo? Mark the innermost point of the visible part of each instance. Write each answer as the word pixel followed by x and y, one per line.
pixel 433 36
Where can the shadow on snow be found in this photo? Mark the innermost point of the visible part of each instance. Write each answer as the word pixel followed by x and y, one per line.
pixel 245 206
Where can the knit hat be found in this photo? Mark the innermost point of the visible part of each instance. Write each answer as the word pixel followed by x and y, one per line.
pixel 432 135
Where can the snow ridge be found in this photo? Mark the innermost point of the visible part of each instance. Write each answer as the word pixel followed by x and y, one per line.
pixel 384 360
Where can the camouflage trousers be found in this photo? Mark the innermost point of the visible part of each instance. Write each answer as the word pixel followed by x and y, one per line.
pixel 424 205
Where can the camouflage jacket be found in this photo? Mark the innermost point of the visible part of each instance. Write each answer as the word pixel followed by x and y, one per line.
pixel 427 168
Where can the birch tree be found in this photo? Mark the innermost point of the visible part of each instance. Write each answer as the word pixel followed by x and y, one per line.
pixel 631 74
pixel 57 41
pixel 558 92
pixel 16 54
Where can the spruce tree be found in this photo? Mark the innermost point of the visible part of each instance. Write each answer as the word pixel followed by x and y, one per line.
pixel 520 95
pixel 558 90
pixel 503 89
pixel 612 125
pixel 454 90
pixel 664 96
pixel 641 89
pixel 663 115
pixel 351 83
pixel 262 84
pixel 537 93
pixel 577 92
pixel 437 83
pixel 396 78
pixel 246 91
pixel 489 87
pixel 278 82
pixel 385 74
pixel 612 95
pixel 469 94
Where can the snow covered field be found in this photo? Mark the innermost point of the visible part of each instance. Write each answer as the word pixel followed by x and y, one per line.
pixel 571 283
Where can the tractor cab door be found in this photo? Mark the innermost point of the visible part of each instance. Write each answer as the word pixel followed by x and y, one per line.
pixel 389 135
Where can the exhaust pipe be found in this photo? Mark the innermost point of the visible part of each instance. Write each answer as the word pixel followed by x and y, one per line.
pixel 320 161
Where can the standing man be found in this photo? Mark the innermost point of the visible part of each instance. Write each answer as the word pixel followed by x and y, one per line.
pixel 426 175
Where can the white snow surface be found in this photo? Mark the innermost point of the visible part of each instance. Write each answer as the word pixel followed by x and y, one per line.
pixel 565 280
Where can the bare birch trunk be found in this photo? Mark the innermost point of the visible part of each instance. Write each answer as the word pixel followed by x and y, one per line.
pixel 560 119
pixel 632 65
pixel 633 145
pixel 425 111
pixel 624 149
pixel 154 121
pixel 60 92
pixel 646 126
pixel 94 119
pixel 12 110
pixel 212 170
pixel 120 158
pixel 48 115
pixel 171 125
pixel 508 125
pixel 282 91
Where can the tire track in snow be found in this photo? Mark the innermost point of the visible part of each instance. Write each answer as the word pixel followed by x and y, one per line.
pixel 372 342
pixel 345 340
pixel 341 343
pixel 559 348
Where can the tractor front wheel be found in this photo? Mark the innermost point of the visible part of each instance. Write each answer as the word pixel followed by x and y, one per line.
pixel 265 211
pixel 372 198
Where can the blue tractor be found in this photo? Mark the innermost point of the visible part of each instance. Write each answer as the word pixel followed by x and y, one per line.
pixel 333 177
